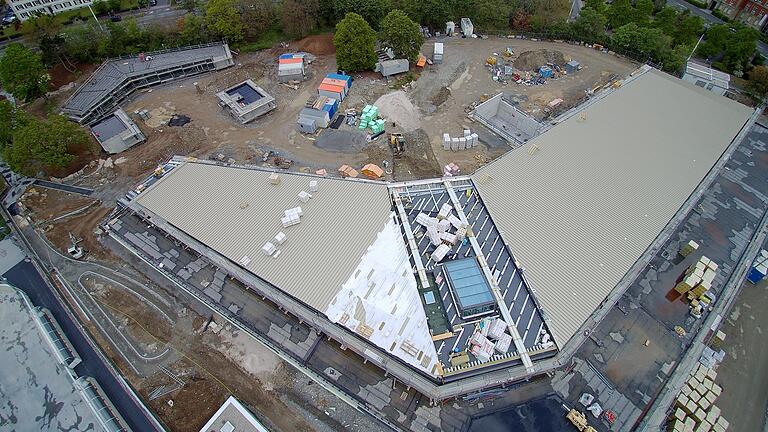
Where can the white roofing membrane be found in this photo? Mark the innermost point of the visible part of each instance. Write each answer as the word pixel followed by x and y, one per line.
pixel 381 302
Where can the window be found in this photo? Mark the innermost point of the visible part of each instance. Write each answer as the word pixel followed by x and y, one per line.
pixel 701 83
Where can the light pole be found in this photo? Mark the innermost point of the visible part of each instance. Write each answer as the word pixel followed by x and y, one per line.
pixel 94 17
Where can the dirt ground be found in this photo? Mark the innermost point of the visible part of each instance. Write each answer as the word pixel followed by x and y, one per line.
pixel 440 98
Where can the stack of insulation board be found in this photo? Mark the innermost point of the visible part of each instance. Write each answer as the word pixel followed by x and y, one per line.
pixel 438 231
pixel 290 67
pixel 481 347
pixel 495 329
pixel 369 118
pixel 696 282
pixel 695 408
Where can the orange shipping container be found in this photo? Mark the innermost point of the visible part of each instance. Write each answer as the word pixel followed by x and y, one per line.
pixel 291 60
pixel 336 82
pixel 331 88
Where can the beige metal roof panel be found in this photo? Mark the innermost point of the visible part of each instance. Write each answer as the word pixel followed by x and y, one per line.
pixel 581 210
pixel 320 253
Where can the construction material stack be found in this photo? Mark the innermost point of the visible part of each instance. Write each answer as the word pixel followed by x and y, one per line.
pixel 695 408
pixel 688 248
pixel 696 285
pixel 290 67
pixel 369 118
pixel 467 29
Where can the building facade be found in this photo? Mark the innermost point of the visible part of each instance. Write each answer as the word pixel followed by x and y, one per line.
pixel 26 9
pixel 751 12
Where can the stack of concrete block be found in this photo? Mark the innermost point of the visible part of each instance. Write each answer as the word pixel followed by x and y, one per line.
pixel 695 408
pixel 304 196
pixel 467 141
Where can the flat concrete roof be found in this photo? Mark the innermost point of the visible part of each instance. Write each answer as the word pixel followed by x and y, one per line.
pixel 114 72
pixel 235 211
pixel 37 393
pixel 234 417
pixel 582 206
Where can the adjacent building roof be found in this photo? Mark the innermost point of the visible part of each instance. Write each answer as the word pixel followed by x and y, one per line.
pixel 720 79
pixel 582 202
pixel 233 417
pixel 235 211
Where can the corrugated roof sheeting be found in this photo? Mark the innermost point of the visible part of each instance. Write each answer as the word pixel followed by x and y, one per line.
pixel 340 222
pixel 581 210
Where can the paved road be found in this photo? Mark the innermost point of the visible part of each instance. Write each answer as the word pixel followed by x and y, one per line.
pixel 25 276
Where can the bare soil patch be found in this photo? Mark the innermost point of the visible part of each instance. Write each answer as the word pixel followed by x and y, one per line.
pixel 532 60
pixel 317 44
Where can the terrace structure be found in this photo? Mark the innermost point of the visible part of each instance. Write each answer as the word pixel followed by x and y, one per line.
pixel 458 284
pixel 117 132
pixel 118 78
pixel 246 101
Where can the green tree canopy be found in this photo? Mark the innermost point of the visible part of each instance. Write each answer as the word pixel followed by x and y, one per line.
pixel 643 12
pixel 688 29
pixel 299 17
pixel 39 144
pixel 666 20
pixel 649 41
pixel 223 19
pixel 619 13
pixel 6 122
pixel 598 6
pixel 758 80
pixel 354 41
pixel 491 14
pixel 589 26
pixel 402 35
pixel 734 43
pixel 372 11
pixel 22 72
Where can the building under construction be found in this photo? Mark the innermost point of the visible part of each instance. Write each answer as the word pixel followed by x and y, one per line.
pixel 117 78
pixel 458 284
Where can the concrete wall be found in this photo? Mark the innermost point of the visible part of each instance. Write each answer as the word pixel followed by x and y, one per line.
pixel 505 120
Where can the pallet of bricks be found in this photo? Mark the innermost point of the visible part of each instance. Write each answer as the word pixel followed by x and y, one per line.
pixel 369 118
pixel 695 409
pixel 697 284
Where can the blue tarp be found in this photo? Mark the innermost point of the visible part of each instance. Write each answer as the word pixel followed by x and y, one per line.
pixel 331 106
pixel 545 72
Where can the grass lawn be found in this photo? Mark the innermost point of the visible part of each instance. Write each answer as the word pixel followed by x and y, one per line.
pixel 267 40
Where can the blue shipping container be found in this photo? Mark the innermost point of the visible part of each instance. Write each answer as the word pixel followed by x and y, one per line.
pixel 331 107
pixel 755 275
pixel 346 78
pixel 545 72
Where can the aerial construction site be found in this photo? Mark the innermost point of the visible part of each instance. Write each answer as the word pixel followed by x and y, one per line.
pixel 421 243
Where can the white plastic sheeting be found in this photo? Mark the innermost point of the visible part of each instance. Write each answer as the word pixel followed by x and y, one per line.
pixel 381 302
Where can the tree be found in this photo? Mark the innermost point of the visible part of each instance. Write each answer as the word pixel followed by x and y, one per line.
pixel 758 80
pixel 675 60
pixel 589 26
pixel 299 17
pixel 491 14
pixel 100 7
pixel 192 29
pixel 38 144
pixel 547 13
pixel 189 5
pixel 6 122
pixel 735 43
pixel 22 72
pixel 372 11
pixel 114 5
pixel 435 13
pixel 598 6
pixel 259 16
pixel 688 29
pixel 402 35
pixel 223 20
pixel 648 41
pixel 666 20
pixel 643 12
pixel 354 41
pixel 620 13
pixel 82 43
